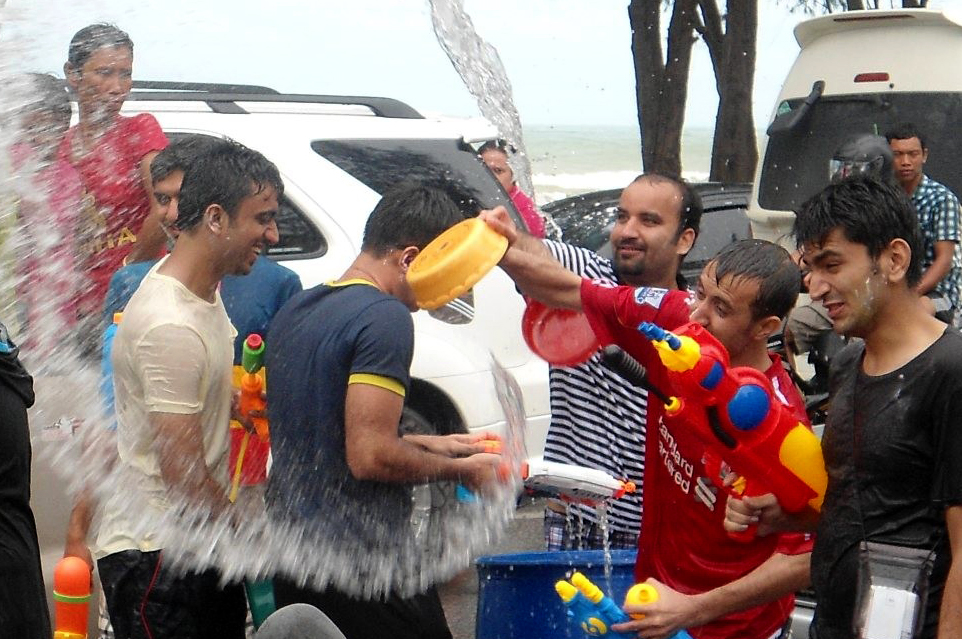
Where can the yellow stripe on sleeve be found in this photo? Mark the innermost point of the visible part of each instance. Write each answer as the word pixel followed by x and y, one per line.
pixel 387 383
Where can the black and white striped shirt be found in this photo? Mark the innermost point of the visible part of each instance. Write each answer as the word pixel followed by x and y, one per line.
pixel 597 418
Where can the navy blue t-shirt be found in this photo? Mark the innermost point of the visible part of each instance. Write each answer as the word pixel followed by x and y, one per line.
pixel 323 339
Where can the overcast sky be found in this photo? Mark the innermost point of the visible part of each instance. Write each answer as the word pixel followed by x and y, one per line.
pixel 569 61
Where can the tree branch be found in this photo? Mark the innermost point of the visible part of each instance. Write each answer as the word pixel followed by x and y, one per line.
pixel 710 29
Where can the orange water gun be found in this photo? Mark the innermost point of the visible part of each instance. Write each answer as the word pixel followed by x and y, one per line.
pixel 71 598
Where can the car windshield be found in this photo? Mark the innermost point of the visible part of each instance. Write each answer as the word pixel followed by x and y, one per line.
pixel 796 161
pixel 451 164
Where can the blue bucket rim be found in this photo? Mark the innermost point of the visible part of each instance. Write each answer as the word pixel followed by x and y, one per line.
pixel 567 558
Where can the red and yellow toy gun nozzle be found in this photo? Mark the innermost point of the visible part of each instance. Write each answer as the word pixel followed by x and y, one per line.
pixel 71 596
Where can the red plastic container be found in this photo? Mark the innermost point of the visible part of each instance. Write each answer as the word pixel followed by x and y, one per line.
pixel 561 337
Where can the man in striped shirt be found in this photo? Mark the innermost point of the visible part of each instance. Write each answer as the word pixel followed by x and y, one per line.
pixel 597 418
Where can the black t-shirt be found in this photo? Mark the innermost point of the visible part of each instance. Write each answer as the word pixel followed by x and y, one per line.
pixel 322 340
pixel 23 604
pixel 893 448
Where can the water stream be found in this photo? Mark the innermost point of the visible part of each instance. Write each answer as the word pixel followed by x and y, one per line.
pixel 485 77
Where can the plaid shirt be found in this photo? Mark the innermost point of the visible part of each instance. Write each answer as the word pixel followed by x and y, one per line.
pixel 938 211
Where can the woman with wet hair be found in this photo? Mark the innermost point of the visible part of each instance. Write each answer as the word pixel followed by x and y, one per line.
pixel 112 154
pixel 494 154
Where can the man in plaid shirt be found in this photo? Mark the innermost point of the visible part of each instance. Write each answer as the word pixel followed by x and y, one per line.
pixel 938 211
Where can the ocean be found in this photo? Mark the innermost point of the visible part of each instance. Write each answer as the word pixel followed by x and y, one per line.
pixel 568 160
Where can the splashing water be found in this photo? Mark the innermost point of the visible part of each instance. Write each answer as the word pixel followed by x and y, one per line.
pixel 72 435
pixel 484 75
pixel 602 510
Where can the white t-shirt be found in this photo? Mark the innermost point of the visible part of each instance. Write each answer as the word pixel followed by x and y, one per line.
pixel 173 353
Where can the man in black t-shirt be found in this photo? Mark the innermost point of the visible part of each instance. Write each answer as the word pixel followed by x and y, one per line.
pixel 892 444
pixel 338 371
pixel 23 604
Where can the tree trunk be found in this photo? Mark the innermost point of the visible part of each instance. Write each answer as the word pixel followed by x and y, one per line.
pixel 854 5
pixel 734 148
pixel 661 87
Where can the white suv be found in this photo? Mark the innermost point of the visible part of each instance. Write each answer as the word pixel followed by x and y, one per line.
pixel 336 155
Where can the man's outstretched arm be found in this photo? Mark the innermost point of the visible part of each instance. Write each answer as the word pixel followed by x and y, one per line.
pixel 374 451
pixel 531 266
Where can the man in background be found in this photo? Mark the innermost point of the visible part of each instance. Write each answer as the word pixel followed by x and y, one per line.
pixel 938 212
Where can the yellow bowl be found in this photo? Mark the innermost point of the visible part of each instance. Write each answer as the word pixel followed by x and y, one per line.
pixel 455 261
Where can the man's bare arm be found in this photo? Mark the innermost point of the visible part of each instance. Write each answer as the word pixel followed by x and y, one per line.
pixel 78 527
pixel 778 576
pixel 180 446
pixel 529 263
pixel 376 453
pixel 950 614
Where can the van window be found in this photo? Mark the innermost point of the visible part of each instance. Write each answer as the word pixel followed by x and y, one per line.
pixel 451 164
pixel 299 239
pixel 796 162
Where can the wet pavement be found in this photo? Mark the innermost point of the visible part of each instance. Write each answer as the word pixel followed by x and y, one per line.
pixel 460 595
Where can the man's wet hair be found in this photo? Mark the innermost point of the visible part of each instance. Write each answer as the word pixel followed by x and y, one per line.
pixel 180 153
pixel 93 38
pixel 409 214
pixel 47 94
pixel 778 277
pixel 689 211
pixel 869 212
pixel 224 175
pixel 905 131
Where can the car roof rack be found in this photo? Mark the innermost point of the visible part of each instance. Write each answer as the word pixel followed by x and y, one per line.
pixel 223 98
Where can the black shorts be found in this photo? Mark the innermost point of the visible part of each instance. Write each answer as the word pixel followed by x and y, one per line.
pixel 148 600
pixel 417 617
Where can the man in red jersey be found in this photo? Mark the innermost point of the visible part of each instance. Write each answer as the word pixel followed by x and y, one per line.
pixel 709 584
pixel 112 154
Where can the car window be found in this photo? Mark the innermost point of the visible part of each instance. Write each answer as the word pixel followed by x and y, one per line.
pixel 717 230
pixel 796 162
pixel 451 164
pixel 298 237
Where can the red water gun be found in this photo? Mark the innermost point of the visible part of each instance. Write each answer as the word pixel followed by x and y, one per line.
pixel 734 411
pixel 71 598
pixel 249 451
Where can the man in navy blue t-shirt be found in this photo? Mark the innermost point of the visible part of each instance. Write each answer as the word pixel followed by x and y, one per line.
pixel 338 371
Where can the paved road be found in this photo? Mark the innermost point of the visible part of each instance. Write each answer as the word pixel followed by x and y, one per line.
pixel 460 595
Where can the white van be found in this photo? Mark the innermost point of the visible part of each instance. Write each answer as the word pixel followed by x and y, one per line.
pixel 860 72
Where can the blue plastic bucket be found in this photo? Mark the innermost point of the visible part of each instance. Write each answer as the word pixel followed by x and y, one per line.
pixel 516 595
